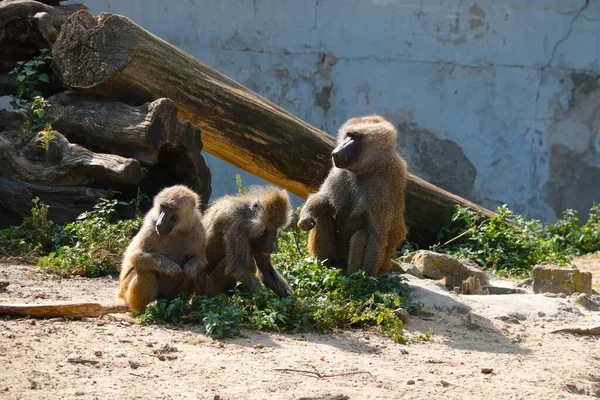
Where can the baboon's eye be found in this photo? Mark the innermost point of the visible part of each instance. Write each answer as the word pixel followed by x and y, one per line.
pixel 353 135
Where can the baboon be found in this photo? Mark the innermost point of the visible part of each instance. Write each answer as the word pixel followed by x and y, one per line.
pixel 168 255
pixel 241 234
pixel 356 219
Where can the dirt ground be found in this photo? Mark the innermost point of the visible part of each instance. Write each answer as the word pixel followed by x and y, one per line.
pixel 113 357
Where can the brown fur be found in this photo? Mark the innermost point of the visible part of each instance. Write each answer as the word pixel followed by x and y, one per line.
pixel 358 213
pixel 156 266
pixel 233 225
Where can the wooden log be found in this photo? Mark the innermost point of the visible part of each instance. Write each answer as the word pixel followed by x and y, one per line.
pixel 148 133
pixel 67 310
pixel 112 56
pixel 20 36
pixel 63 163
pixel 65 202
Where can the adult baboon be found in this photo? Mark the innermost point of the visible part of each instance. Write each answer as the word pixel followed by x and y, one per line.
pixel 356 219
pixel 241 234
pixel 168 255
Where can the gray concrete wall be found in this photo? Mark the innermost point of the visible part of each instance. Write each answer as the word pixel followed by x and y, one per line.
pixel 496 100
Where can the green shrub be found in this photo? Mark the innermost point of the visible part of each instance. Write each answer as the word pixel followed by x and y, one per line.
pixel 511 245
pixel 93 245
pixel 30 239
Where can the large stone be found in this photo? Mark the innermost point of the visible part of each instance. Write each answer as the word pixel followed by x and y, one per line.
pixel 448 269
pixel 550 279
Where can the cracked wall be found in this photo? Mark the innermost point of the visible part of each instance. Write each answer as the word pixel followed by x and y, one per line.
pixel 496 100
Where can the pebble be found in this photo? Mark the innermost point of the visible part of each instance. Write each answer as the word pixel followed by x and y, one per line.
pixel 410 382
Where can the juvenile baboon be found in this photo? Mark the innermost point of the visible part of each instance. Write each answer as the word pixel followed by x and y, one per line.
pixel 241 234
pixel 168 255
pixel 356 219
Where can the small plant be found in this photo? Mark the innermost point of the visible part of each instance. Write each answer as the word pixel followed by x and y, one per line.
pixel 93 245
pixel 28 78
pixel 30 239
pixel 238 180
pixel 47 136
pixel 511 245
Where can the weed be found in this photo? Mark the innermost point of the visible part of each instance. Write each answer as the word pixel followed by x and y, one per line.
pixel 30 239
pixel 29 75
pixel 93 245
pixel 511 245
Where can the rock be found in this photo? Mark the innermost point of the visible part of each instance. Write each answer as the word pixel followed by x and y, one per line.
pixel 525 282
pixel 508 319
pixel 559 280
pixel 472 285
pixel 518 316
pixel 503 290
pixel 411 269
pixel 402 314
pixel 588 301
pixel 470 324
pixel 447 268
pixel 410 382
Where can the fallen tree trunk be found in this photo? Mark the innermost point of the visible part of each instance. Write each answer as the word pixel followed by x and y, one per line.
pixel 112 56
pixel 20 36
pixel 72 310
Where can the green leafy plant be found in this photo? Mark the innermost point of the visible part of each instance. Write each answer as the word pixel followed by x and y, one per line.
pixel 30 239
pixel 92 245
pixel 29 76
pixel 323 299
pixel 47 136
pixel 511 245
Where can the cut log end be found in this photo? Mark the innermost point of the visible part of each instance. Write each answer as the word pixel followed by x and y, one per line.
pixel 106 41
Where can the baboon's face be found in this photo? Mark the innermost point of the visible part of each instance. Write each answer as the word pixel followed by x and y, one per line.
pixel 167 218
pixel 266 243
pixel 349 150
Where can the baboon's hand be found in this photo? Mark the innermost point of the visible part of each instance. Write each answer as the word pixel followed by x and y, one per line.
pixel 191 270
pixel 172 269
pixel 307 223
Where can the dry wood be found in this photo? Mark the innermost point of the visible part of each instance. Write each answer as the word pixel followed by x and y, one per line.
pixel 580 331
pixel 327 397
pixel 64 201
pixel 112 56
pixel 68 310
pixel 150 133
pixel 79 360
pixel 20 36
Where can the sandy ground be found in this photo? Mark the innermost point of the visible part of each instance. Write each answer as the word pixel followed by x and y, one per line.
pixel 115 358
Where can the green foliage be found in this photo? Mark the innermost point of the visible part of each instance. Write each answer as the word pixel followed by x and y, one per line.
pixel 511 245
pixel 30 239
pixel 93 245
pixel 48 137
pixel 323 300
pixel 29 75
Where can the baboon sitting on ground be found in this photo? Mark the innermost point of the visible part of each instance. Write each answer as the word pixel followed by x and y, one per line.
pixel 241 235
pixel 356 219
pixel 168 255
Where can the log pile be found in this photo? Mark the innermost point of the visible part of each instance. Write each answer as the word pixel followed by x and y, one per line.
pixel 110 57
pixel 92 147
